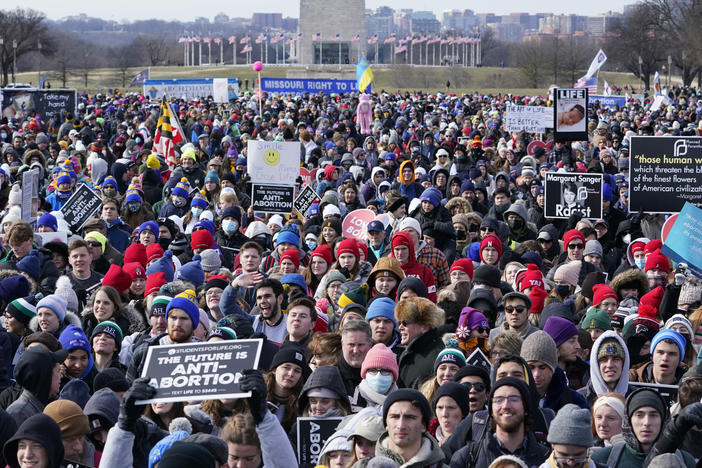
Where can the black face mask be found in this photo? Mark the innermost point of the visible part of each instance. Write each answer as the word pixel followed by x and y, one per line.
pixel 563 290
pixel 460 234
pixel 164 243
pixel 516 224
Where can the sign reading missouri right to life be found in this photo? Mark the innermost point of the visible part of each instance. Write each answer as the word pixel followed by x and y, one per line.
pixel 273 162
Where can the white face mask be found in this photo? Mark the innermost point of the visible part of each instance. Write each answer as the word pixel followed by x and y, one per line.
pixel 627 239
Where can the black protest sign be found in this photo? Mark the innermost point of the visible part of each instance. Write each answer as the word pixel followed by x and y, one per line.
pixel 82 205
pixel 273 198
pixel 200 371
pixel 664 173
pixel 668 392
pixel 305 199
pixel 312 434
pixel 478 359
pixel 570 115
pixel 22 102
pixel 570 192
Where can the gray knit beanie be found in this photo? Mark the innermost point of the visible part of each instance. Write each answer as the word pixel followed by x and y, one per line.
pixel 571 426
pixel 210 260
pixel 593 247
pixel 539 346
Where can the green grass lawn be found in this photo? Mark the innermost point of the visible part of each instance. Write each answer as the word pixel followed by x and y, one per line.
pixel 391 79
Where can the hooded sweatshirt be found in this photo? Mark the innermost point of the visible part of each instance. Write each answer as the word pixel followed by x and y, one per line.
pixel 33 373
pixel 597 384
pixel 414 269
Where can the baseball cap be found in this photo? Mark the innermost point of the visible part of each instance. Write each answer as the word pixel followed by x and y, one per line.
pixel 545 235
pixel 375 226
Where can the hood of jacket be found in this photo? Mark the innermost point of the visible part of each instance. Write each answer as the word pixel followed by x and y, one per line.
pixel 401 178
pixel 403 238
pixel 329 172
pixel 519 209
pixel 629 254
pixel 386 264
pixel 327 377
pixel 34 372
pixel 631 275
pixel 374 171
pixel 429 454
pixel 598 383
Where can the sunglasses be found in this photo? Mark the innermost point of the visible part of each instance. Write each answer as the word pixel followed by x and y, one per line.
pixel 482 329
pixel 576 246
pixel 473 228
pixel 405 323
pixel 519 309
pixel 478 386
pixel 94 244
pixel 482 229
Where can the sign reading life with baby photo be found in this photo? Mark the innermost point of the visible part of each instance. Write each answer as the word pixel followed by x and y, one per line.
pixel 570 192
pixel 273 162
pixel 570 115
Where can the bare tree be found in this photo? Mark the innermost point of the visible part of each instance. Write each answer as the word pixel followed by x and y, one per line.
pixel 574 54
pixel 25 29
pixel 532 60
pixel 154 48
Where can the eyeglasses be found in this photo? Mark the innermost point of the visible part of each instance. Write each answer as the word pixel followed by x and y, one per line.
pixel 500 400
pixel 569 461
pixel 482 329
pixel 405 323
pixel 477 386
pixel 384 372
pixel 511 309
pixel 576 246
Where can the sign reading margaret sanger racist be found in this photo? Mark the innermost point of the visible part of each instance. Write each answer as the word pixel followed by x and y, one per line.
pixel 200 371
pixel 569 192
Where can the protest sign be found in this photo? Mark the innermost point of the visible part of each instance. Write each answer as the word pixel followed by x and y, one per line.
pixel 313 86
pixel 610 102
pixel 272 198
pixel 478 359
pixel 47 237
pixel 273 162
pixel 355 224
pixel 306 176
pixel 312 434
pixel 530 119
pixel 569 117
pixel 30 195
pixel 192 88
pixel 664 173
pixel 668 225
pixel 569 192
pixel 82 205
pixel 305 199
pixel 199 371
pixel 531 148
pixel 684 242
pixel 18 103
pixel 668 392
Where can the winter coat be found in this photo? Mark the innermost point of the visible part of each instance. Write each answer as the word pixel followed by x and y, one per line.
pixel 415 269
pixel 597 385
pixel 327 377
pixel 48 273
pixel 416 362
pixel 118 234
pixel 428 456
pixel 131 449
pixel 558 394
pixel 483 452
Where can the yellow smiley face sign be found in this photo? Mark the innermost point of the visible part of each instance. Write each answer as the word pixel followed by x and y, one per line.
pixel 271 157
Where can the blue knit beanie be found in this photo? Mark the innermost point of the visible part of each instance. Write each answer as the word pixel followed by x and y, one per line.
pixel 667 334
pixel 56 304
pixel 192 272
pixel 163 265
pixel 164 444
pixel 109 180
pixel 467 186
pixel 47 219
pixel 149 226
pixel 14 287
pixel 31 264
pixel 187 302
pixel 287 236
pixel 133 197
pixel 72 338
pixel 382 307
pixel 294 278
pixel 431 195
pixel 212 177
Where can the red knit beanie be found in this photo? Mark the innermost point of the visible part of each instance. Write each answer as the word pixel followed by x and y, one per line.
pixel 572 234
pixel 600 292
pixel 348 246
pixel 362 247
pixel 652 246
pixel 491 240
pixel 658 261
pixel 650 302
pixel 154 282
pixel 153 251
pixel 117 278
pixel 463 264
pixel 201 239
pixel 324 252
pixel 293 255
pixel 136 253
pixel 135 270
pixel 531 278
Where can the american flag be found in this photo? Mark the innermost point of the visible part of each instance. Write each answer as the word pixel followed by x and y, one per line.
pixel 182 39
pixel 317 36
pixel 589 83
pixel 245 40
pixel 390 39
pixel 232 39
pixel 434 40
pixel 217 40
pixel 206 40
pixel 246 49
pixel 399 50
pixel 261 37
pixel 335 37
pixel 298 37
pixel 356 37
pixel 197 38
pixel 373 39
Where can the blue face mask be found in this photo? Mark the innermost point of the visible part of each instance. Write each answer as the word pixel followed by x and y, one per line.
pixel 378 382
pixel 311 245
pixel 229 226
pixel 196 212
pixel 640 263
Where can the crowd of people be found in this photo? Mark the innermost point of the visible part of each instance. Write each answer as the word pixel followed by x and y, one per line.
pixel 462 327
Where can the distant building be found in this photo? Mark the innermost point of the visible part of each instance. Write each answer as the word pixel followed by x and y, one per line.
pixel 221 18
pixel 459 20
pixel 380 22
pixel 347 18
pixel 510 32
pixel 291 24
pixel 267 20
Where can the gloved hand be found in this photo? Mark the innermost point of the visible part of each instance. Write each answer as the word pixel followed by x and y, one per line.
pixel 129 411
pixel 253 382
pixel 345 271
pixel 574 218
pixel 674 432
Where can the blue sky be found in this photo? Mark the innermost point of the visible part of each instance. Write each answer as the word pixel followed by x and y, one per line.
pixel 184 9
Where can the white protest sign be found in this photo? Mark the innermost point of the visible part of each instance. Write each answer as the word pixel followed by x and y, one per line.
pixel 530 119
pixel 273 162
pixel 220 93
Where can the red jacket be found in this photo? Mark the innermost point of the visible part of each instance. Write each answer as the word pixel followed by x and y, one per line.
pixel 413 268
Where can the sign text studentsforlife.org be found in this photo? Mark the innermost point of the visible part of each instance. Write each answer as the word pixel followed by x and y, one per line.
pixel 200 371
pixel 569 192
pixel 664 173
